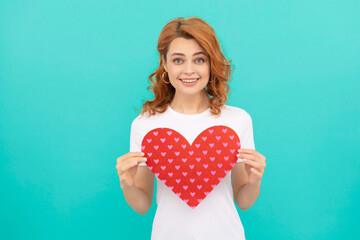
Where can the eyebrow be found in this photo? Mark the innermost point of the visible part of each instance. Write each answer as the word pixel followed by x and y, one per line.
pixel 181 54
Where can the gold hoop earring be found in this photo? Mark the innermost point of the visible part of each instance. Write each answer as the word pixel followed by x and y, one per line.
pixel 162 76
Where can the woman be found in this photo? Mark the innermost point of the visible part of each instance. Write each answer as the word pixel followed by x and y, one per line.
pixel 190 89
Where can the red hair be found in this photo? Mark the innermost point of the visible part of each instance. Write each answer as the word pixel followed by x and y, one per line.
pixel 220 67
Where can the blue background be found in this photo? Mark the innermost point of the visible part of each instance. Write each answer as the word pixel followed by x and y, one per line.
pixel 71 73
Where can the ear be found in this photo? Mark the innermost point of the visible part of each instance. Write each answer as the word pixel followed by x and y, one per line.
pixel 164 63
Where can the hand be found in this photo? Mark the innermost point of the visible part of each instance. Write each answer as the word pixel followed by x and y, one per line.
pixel 254 164
pixel 127 166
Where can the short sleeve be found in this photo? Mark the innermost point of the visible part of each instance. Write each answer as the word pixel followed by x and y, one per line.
pixel 247 138
pixel 136 137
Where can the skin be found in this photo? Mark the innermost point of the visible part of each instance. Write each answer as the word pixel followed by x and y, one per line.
pixel 127 166
pixel 246 177
pixel 254 164
pixel 188 99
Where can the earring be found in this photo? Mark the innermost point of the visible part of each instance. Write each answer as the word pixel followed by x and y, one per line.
pixel 162 76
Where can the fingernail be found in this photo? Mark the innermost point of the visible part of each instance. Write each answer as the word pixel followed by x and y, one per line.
pixel 145 158
pixel 135 162
pixel 142 154
pixel 239 150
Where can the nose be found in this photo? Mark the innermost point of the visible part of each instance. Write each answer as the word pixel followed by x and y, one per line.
pixel 189 68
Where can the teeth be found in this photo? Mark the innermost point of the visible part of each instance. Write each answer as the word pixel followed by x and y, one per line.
pixel 184 80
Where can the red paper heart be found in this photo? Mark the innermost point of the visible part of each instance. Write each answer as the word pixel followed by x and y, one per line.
pixel 191 171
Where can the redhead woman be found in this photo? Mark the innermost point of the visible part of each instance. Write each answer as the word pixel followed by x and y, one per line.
pixel 190 89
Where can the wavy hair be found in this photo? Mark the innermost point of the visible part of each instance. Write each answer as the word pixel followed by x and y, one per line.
pixel 220 68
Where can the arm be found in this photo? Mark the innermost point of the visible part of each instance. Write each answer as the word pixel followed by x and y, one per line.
pixel 246 178
pixel 246 196
pixel 140 195
pixel 245 193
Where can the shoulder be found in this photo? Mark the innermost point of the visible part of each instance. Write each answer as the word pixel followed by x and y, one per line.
pixel 236 112
pixel 143 119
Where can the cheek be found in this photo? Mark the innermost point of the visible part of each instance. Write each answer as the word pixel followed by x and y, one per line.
pixel 205 71
pixel 174 71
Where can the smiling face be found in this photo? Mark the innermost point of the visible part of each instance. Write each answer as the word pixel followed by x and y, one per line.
pixel 187 66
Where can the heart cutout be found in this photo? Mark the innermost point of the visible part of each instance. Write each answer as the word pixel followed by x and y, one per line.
pixel 191 171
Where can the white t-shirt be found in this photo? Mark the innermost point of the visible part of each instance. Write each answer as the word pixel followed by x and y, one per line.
pixel 216 217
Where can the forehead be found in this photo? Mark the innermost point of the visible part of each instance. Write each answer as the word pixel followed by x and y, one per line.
pixel 185 46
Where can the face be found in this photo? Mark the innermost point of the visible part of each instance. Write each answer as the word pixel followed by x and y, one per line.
pixel 187 66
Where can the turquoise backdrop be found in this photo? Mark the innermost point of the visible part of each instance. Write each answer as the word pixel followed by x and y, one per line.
pixel 71 73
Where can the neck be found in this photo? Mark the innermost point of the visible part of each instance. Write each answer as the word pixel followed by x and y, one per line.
pixel 190 104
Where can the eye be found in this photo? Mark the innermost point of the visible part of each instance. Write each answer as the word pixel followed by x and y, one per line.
pixel 177 60
pixel 202 60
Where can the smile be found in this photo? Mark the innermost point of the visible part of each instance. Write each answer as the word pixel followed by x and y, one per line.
pixel 189 80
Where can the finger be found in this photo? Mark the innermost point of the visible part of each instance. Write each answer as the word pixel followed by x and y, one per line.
pixel 252 151
pixel 123 179
pixel 129 155
pixel 246 150
pixel 131 162
pixel 261 157
pixel 247 156
pixel 252 163
pixel 137 159
pixel 256 172
pixel 131 159
pixel 126 166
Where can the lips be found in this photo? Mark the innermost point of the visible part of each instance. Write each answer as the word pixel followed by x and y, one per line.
pixel 189 79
